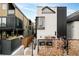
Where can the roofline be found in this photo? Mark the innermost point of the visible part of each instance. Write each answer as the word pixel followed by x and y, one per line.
pixel 73 14
pixel 19 10
pixel 71 21
pixel 52 7
pixel 48 8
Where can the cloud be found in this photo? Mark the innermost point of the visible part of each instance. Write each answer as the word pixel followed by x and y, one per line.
pixel 70 11
pixel 28 10
pixel 51 4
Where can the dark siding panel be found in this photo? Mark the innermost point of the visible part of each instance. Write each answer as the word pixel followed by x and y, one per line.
pixel 15 44
pixel 6 47
pixel 11 22
pixel 61 21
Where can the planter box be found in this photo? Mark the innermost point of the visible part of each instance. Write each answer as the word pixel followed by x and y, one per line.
pixel 8 46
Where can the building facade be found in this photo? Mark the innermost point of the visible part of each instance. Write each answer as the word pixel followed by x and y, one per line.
pixel 50 22
pixel 12 20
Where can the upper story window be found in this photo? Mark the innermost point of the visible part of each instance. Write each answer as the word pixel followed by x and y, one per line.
pixel 40 22
pixel 17 22
pixel 2 22
pixel 4 6
pixel 11 12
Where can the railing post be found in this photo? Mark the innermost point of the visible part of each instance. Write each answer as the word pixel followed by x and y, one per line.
pixel 32 47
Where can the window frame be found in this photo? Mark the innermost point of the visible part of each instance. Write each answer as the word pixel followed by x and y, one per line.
pixel 3 22
pixel 39 27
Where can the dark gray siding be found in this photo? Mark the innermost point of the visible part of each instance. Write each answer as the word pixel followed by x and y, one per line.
pixel 8 46
pixel 15 44
pixel 11 21
pixel 61 21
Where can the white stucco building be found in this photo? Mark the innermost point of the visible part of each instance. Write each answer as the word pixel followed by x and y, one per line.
pixel 51 21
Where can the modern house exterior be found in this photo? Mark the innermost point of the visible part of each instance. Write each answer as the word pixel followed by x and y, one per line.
pixel 12 24
pixel 50 22
pixel 73 26
pixel 12 20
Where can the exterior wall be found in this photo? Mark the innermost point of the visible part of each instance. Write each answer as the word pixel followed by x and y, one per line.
pixel 31 27
pixel 50 24
pixel 24 19
pixel 10 22
pixel 10 18
pixel 18 14
pixel 3 12
pixel 69 30
pixel 25 25
pixel 72 30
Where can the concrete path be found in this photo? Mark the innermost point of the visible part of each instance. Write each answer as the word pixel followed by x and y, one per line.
pixel 29 51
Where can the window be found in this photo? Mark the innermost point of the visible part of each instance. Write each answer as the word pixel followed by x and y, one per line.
pixel 0 22
pixel 41 43
pixel 49 43
pixel 17 22
pixel 4 6
pixel 3 22
pixel 40 22
pixel 11 12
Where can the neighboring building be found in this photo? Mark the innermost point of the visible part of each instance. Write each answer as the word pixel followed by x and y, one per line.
pixel 12 20
pixel 31 28
pixel 50 22
pixel 73 26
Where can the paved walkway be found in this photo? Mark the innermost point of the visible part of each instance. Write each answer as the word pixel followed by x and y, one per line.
pixel 28 50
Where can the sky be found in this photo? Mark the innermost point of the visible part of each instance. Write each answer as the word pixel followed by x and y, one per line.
pixel 29 9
